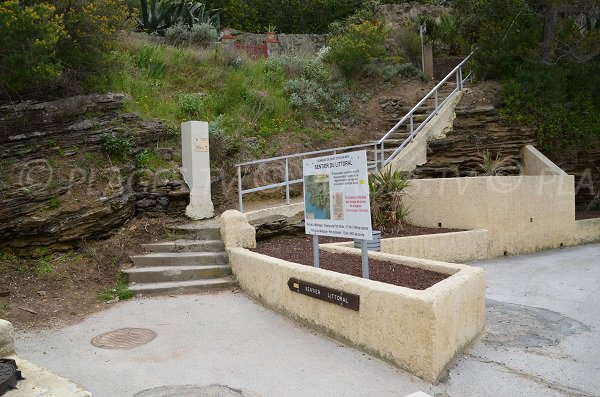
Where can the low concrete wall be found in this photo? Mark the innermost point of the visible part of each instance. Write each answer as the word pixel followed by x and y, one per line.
pixel 420 331
pixel 535 163
pixel 288 211
pixel 522 213
pixel 455 247
pixel 415 153
pixel 587 231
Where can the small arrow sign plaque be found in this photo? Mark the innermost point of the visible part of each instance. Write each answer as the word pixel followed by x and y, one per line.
pixel 340 298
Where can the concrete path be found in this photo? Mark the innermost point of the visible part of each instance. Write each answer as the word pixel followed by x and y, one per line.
pixel 543 339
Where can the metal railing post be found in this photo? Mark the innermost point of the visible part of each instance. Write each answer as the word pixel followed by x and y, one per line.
pixel 382 155
pixel 460 79
pixel 287 182
pixel 375 158
pixel 411 125
pixel 436 101
pixel 241 200
pixel 457 79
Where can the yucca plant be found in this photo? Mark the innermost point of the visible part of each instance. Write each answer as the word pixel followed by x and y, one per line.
pixel 386 190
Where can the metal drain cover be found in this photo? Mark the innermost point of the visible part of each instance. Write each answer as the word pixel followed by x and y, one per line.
pixel 124 338
pixel 195 391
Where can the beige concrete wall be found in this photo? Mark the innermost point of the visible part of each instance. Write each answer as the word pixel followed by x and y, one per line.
pixel 587 231
pixel 522 213
pixel 415 153
pixel 535 163
pixel 457 247
pixel 420 331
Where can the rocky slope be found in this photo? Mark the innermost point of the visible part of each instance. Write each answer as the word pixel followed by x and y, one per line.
pixel 58 187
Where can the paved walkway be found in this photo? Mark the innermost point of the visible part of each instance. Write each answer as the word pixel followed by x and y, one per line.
pixel 543 339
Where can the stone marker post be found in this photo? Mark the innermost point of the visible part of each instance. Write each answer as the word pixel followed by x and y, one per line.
pixel 428 60
pixel 196 168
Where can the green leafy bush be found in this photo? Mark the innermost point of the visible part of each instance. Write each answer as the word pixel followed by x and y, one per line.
pixel 35 31
pixel 150 59
pixel 116 146
pixel 201 34
pixel 387 70
pixel 562 101
pixel 310 16
pixel 351 51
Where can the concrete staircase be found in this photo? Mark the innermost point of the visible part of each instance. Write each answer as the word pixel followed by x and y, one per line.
pixel 195 261
pixel 395 114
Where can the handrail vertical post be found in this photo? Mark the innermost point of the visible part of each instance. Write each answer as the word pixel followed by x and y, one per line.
pixel 436 101
pixel 412 123
pixel 461 79
pixel 375 158
pixel 241 200
pixel 382 155
pixel 287 182
pixel 458 80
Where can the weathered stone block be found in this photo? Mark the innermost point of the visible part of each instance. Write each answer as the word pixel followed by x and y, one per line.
pixel 236 231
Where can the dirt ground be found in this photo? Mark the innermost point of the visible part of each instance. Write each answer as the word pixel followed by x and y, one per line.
pixel 63 288
pixel 299 250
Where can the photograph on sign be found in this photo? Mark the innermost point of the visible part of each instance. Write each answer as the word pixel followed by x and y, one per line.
pixel 336 196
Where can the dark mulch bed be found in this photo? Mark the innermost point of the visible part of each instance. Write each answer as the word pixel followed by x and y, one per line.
pixel 579 215
pixel 299 250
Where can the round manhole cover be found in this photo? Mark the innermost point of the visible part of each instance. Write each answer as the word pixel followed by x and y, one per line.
pixel 124 338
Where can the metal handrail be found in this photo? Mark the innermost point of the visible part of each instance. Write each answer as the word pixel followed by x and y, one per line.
pixel 379 161
pixel 432 94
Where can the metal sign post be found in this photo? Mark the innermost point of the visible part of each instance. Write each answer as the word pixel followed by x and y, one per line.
pixel 365 259
pixel 316 250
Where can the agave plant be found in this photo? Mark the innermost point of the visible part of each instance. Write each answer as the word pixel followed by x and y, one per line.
pixel 152 17
pixel 158 15
pixel 386 190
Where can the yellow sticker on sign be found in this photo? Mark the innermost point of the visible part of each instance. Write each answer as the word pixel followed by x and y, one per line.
pixel 361 181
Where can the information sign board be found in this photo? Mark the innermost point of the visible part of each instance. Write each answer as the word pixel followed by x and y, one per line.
pixel 336 196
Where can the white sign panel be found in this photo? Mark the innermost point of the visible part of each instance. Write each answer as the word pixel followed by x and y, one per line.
pixel 336 196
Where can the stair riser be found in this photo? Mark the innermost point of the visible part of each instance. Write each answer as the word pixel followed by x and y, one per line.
pixel 217 246
pixel 197 234
pixel 184 290
pixel 178 275
pixel 180 261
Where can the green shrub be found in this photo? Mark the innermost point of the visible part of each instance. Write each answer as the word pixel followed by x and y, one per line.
pixel 189 106
pixel 201 34
pixel 561 101
pixel 121 291
pixel 29 38
pixel 150 59
pixel 351 51
pixel 116 146
pixel 151 160
pixel 387 70
pixel 406 42
pixel 54 202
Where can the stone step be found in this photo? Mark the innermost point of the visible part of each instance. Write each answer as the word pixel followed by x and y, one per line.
pixel 178 287
pixel 196 232
pixel 185 246
pixel 175 273
pixel 180 259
